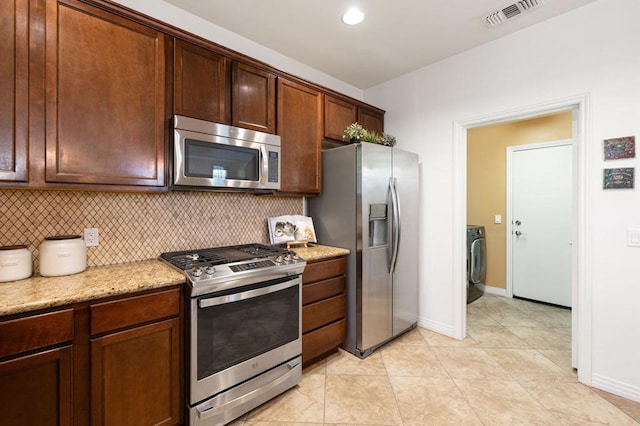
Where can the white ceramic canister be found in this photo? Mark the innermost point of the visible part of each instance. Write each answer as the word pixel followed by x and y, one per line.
pixel 16 263
pixel 62 255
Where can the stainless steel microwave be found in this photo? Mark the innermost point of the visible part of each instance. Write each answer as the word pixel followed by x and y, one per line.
pixel 216 156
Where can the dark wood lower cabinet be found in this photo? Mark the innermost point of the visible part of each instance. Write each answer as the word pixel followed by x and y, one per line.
pixel 135 376
pixel 36 389
pixel 115 362
pixel 323 308
pixel 136 360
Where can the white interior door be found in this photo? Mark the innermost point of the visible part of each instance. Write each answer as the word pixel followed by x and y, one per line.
pixel 541 182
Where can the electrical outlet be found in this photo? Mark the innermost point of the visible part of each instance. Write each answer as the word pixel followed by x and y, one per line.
pixel 91 237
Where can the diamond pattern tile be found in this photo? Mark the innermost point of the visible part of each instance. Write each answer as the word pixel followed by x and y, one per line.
pixel 139 226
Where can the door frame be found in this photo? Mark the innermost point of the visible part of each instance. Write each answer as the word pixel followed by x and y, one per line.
pixel 582 289
pixel 509 191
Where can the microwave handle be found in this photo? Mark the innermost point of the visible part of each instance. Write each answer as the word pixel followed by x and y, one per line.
pixel 264 168
pixel 214 301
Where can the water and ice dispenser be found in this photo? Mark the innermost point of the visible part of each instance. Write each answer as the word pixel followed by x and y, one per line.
pixel 378 225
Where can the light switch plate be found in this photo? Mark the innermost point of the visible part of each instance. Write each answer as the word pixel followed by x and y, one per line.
pixel 633 237
pixel 497 218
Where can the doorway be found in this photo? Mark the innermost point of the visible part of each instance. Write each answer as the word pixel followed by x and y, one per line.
pixel 488 190
pixel 581 300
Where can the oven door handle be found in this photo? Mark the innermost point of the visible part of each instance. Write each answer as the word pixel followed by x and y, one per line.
pixel 214 301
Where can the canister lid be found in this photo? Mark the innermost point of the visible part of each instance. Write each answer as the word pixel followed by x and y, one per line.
pixel 62 237
pixel 15 247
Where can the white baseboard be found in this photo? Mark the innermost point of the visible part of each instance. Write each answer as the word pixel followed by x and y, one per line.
pixel 616 387
pixel 492 290
pixel 436 326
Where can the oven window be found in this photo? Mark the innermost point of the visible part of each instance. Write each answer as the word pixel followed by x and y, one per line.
pixel 211 160
pixel 235 332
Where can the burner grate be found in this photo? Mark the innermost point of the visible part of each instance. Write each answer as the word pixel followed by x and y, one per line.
pixel 185 260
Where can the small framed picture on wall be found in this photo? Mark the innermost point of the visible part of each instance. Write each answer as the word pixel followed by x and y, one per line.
pixel 620 148
pixel 620 178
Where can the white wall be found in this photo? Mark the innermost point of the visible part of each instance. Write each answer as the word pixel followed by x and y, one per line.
pixel 170 14
pixel 594 50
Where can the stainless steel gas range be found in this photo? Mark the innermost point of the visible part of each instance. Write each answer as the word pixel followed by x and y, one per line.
pixel 244 339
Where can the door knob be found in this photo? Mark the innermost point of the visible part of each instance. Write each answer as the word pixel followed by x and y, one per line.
pixel 518 223
pixel 518 233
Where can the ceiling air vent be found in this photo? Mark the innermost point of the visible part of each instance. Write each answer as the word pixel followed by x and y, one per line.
pixel 510 11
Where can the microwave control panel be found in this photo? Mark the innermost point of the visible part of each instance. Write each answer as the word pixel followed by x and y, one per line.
pixel 273 166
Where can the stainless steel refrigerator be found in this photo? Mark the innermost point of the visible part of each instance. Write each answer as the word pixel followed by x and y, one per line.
pixel 369 204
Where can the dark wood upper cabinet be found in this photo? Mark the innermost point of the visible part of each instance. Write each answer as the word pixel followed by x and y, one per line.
pixel 300 129
pixel 371 120
pixel 105 98
pixel 338 114
pixel 201 83
pixel 14 51
pixel 253 98
pixel 89 87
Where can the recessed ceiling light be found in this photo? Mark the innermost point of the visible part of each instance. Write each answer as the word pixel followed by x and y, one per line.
pixel 353 16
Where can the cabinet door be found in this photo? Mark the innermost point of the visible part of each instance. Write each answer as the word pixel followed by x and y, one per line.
pixel 14 45
pixel 300 129
pixel 338 114
pixel 201 83
pixel 254 98
pixel 371 120
pixel 105 98
pixel 135 376
pixel 37 389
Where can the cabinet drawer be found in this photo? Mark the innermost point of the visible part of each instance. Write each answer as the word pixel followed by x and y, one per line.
pixel 325 269
pixel 318 314
pixel 127 312
pixel 37 331
pixel 322 289
pixel 323 340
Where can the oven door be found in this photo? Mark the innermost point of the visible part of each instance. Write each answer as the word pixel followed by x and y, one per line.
pixel 240 333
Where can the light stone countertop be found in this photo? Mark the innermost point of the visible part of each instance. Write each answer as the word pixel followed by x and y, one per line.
pixel 96 282
pixel 319 252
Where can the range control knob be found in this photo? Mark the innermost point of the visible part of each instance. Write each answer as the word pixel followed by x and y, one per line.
pixel 278 259
pixel 287 258
pixel 209 270
pixel 295 256
pixel 197 271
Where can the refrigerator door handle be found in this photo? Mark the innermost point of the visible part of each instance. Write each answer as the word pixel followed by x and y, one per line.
pixel 395 230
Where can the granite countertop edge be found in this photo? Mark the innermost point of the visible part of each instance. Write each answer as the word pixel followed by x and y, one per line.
pixel 99 282
pixel 316 252
pixel 96 282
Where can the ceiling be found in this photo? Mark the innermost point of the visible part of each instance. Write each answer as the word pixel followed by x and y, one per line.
pixel 395 38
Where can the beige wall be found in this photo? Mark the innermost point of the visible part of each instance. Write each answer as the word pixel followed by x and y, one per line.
pixel 139 226
pixel 486 178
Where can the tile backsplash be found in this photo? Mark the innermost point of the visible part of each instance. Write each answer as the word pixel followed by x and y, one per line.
pixel 139 226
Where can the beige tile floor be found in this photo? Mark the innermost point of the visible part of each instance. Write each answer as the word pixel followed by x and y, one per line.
pixel 514 367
